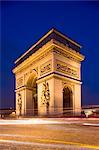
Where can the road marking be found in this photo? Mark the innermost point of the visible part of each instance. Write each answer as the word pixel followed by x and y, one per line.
pixel 70 143
pixel 52 142
pixel 41 145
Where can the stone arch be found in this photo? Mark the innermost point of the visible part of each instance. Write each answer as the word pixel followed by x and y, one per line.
pixel 31 81
pixel 31 84
pixel 30 78
pixel 67 100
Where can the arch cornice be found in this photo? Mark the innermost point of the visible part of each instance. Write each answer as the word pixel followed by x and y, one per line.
pixel 35 57
pixel 23 88
pixel 66 50
pixel 50 47
pixel 57 76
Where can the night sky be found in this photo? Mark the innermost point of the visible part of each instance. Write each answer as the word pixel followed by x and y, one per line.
pixel 23 23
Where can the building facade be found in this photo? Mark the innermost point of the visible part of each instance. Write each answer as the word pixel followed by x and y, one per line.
pixel 48 77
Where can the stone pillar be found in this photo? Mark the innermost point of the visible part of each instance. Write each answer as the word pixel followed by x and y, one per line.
pixel 29 101
pixel 52 98
pixel 77 99
pixel 22 93
pixel 58 96
pixel 41 107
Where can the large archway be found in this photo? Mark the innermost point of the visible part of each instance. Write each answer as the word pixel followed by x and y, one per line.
pixel 35 98
pixel 32 86
pixel 67 101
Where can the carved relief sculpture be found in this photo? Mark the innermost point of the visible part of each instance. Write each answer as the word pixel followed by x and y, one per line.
pixel 19 102
pixel 67 69
pixel 45 68
pixel 19 82
pixel 45 98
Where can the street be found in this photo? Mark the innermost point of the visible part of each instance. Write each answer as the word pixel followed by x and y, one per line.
pixel 50 134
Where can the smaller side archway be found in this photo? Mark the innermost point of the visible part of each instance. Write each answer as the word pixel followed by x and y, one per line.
pixel 67 101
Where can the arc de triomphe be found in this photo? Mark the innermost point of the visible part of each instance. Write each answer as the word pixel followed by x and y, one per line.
pixel 48 76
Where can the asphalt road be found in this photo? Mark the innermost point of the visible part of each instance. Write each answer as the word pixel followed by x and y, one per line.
pixel 48 134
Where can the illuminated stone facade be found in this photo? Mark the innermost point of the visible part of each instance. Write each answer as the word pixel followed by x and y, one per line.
pixel 45 72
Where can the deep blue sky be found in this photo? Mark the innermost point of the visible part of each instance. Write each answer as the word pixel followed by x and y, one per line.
pixel 23 23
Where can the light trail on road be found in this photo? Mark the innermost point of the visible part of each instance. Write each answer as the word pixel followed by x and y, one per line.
pixel 91 124
pixel 43 121
pixel 33 121
pixel 27 121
